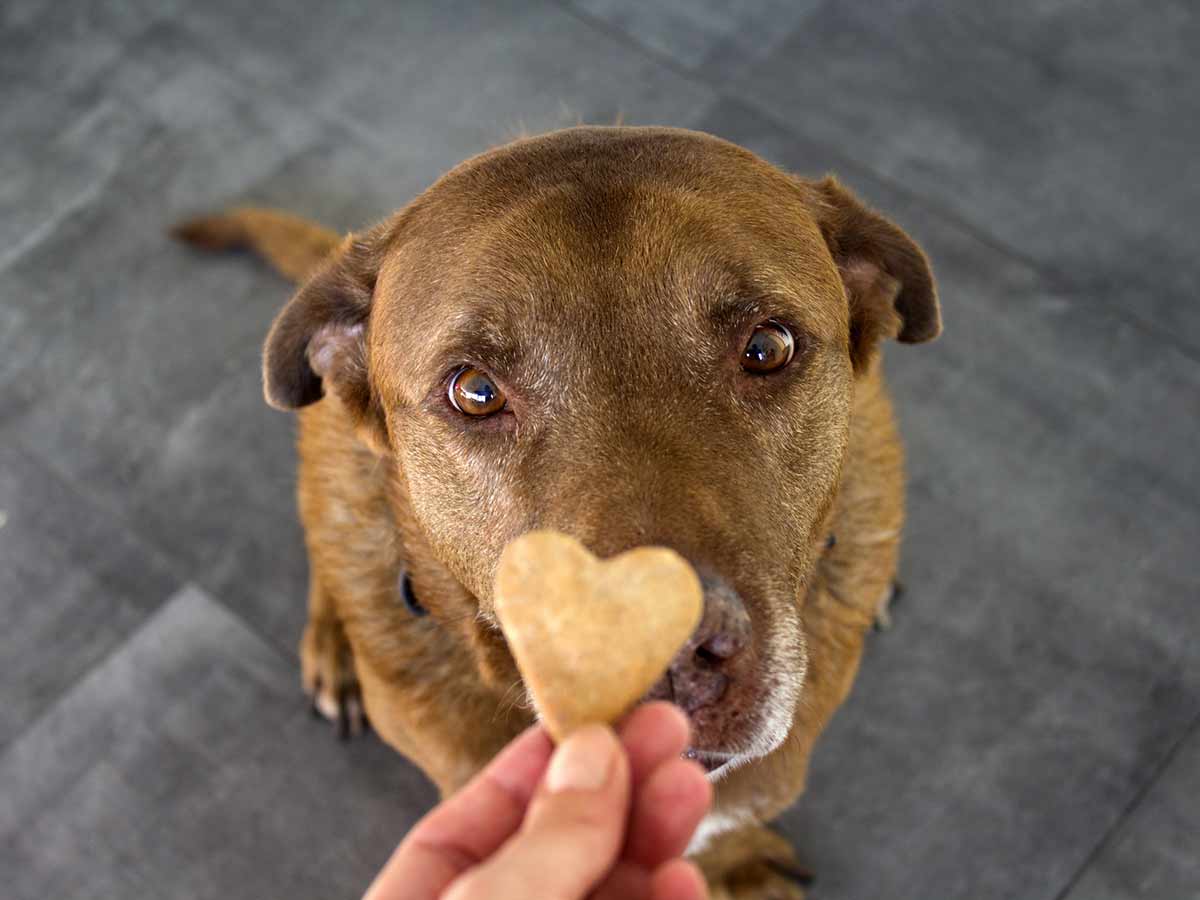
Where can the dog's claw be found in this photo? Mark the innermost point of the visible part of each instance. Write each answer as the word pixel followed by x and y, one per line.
pixel 883 615
pixel 351 719
pixel 345 711
pixel 343 720
pixel 793 871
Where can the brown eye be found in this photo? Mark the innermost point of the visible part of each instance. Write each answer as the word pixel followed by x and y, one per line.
pixel 769 349
pixel 475 394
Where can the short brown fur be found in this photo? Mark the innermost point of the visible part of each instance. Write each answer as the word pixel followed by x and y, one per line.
pixel 569 262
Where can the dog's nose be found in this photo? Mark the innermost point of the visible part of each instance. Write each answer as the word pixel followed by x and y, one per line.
pixel 700 673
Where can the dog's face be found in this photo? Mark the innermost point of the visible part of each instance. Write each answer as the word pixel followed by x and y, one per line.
pixel 633 336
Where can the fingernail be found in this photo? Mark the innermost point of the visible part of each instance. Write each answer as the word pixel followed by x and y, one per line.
pixel 583 761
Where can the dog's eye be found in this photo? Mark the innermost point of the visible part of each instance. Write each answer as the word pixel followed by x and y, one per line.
pixel 769 349
pixel 475 394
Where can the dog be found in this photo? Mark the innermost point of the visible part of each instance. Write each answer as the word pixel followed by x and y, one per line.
pixel 634 336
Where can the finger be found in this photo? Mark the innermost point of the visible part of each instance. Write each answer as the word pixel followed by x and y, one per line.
pixel 678 879
pixel 652 733
pixel 572 832
pixel 469 826
pixel 675 879
pixel 667 807
pixel 624 881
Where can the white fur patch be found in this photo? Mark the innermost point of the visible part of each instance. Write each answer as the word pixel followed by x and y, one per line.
pixel 785 662
pixel 712 826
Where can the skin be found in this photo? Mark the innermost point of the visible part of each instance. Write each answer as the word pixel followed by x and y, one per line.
pixel 620 838
pixel 607 280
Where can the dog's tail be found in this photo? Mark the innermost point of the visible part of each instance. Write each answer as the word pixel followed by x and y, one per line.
pixel 292 245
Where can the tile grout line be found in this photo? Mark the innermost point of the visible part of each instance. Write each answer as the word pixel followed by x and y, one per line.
pixel 48 227
pixel 287 101
pixel 1129 809
pixel 12 255
pixel 53 702
pixel 1051 278
pixel 182 586
pixel 173 566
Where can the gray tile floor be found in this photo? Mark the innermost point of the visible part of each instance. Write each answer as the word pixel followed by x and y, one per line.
pixel 1031 726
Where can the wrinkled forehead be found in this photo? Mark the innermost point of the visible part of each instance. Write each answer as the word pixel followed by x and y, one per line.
pixel 624 272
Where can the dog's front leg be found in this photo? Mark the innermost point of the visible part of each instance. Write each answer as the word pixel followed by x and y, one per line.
pixel 752 863
pixel 327 666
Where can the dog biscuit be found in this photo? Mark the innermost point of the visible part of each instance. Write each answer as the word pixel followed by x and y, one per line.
pixel 591 637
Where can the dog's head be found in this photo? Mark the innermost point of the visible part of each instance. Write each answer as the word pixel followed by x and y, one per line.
pixel 635 336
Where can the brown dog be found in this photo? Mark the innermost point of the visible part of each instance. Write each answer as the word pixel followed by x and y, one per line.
pixel 633 335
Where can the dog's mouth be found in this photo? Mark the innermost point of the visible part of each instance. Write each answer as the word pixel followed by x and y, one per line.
pixel 738 694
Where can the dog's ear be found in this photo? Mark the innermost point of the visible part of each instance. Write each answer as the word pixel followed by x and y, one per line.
pixel 318 342
pixel 888 280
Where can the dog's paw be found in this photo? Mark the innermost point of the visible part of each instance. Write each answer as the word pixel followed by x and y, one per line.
pixel 759 880
pixel 753 863
pixel 327 672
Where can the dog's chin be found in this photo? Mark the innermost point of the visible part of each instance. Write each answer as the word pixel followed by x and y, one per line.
pixel 721 753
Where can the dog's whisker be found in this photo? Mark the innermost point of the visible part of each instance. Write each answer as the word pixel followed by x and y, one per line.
pixel 515 697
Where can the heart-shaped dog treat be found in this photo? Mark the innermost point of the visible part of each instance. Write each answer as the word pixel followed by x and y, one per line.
pixel 591 636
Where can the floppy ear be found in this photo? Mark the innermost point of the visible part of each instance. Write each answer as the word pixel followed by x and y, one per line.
pixel 888 280
pixel 317 344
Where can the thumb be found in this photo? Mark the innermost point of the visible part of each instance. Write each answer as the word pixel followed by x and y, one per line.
pixel 572 832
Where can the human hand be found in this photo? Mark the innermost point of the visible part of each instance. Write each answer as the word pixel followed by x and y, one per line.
pixel 599 817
